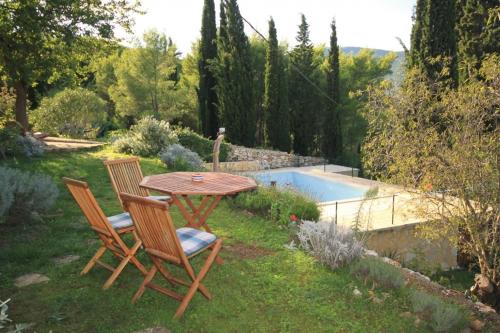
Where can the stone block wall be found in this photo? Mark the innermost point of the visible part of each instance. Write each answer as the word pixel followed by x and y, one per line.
pixel 404 241
pixel 271 158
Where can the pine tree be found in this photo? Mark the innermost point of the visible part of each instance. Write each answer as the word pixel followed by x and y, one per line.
pixel 207 96
pixel 478 33
pixel 276 123
pixel 234 77
pixel 332 135
pixel 434 45
pixel 302 93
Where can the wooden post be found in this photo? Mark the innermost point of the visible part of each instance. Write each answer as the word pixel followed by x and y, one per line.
pixel 216 152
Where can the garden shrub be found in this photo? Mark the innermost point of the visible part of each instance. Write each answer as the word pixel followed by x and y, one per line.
pixel 201 145
pixel 24 195
pixel 30 146
pixel 179 158
pixel 277 205
pixel 379 273
pixel 439 315
pixel 333 245
pixel 75 112
pixel 147 138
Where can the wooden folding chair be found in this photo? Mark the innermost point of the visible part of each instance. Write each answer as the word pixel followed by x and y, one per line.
pixel 164 243
pixel 126 174
pixel 108 229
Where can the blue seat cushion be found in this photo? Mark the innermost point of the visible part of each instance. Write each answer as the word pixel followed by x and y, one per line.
pixel 193 240
pixel 122 220
pixel 159 197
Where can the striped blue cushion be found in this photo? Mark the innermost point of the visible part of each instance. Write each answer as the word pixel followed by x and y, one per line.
pixel 193 240
pixel 159 197
pixel 122 220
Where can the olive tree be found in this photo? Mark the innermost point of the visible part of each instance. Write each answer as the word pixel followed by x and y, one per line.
pixel 445 147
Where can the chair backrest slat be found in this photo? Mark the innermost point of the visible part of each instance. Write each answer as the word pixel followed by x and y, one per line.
pixel 92 211
pixel 126 174
pixel 153 224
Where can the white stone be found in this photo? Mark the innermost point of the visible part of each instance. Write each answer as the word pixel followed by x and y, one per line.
pixel 154 330
pixel 29 279
pixel 65 259
pixel 357 293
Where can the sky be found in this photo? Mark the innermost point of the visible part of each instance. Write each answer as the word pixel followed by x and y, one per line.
pixel 362 23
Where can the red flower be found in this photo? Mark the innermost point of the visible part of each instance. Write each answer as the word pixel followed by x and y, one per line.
pixel 428 187
pixel 293 217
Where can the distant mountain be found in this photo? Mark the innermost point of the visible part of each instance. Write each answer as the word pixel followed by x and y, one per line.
pixel 397 66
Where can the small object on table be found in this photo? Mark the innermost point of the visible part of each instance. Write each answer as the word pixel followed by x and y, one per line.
pixel 197 177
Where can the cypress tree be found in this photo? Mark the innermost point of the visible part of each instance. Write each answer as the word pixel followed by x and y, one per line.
pixel 283 140
pixel 434 45
pixel 332 135
pixel 276 123
pixel 234 77
pixel 207 96
pixel 302 93
pixel 478 33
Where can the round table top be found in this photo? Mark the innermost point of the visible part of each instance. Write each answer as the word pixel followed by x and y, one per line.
pixel 214 183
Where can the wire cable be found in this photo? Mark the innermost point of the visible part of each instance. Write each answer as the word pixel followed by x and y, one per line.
pixel 295 67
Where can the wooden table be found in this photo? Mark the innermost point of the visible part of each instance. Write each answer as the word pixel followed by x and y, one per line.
pixel 214 186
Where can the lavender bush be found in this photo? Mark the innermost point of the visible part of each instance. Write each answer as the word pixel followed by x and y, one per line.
pixel 333 245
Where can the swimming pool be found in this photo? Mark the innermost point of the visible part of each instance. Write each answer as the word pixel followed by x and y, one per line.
pixel 319 188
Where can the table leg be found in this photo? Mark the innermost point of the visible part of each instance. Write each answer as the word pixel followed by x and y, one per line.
pixel 197 219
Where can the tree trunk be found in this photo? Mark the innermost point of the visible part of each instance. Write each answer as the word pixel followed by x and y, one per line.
pixel 21 98
pixel 487 291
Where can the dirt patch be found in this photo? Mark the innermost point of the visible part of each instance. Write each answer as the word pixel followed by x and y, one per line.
pixel 245 251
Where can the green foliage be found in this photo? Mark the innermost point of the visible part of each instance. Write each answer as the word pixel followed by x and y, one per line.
pixel 145 80
pixel 207 95
pixel 332 130
pixel 440 316
pixel 147 138
pixel 234 74
pixel 374 270
pixel 436 138
pixel 303 95
pixel 278 205
pixel 24 195
pixel 75 113
pixel 357 73
pixel 478 32
pixel 37 37
pixel 201 145
pixel 433 40
pixel 179 158
pixel 276 108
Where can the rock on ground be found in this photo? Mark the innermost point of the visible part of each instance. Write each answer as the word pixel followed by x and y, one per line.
pixel 65 259
pixel 154 330
pixel 29 279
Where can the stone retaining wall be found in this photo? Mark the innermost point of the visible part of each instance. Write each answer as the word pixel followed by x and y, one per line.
pixel 403 241
pixel 271 158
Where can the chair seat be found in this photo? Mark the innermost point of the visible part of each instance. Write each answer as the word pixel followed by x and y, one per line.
pixel 122 220
pixel 193 240
pixel 159 197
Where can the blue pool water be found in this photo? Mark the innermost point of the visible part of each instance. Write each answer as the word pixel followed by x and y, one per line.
pixel 318 188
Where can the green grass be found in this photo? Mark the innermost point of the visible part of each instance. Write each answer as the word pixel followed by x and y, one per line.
pixel 285 291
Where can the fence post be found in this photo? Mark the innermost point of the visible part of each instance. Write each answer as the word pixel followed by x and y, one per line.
pixel 336 208
pixel 393 199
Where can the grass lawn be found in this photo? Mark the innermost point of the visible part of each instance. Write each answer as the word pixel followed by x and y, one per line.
pixel 261 287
